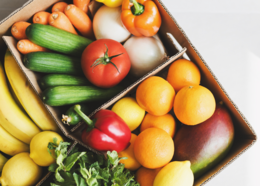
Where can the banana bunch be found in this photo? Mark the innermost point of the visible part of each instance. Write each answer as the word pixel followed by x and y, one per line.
pixel 19 125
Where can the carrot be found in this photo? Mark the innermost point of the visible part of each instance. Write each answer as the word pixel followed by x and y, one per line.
pixel 25 46
pixel 18 29
pixel 82 4
pixel 59 7
pixel 41 17
pixel 80 20
pixel 60 20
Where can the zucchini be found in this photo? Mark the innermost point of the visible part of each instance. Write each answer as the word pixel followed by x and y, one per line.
pixel 57 39
pixel 66 95
pixel 48 62
pixel 71 117
pixel 53 80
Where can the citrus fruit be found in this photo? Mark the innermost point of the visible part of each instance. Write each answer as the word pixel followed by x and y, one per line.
pixel 153 148
pixel 176 173
pixel 183 73
pixel 39 148
pixel 165 122
pixel 130 163
pixel 155 95
pixel 145 177
pixel 128 109
pixel 20 170
pixel 194 104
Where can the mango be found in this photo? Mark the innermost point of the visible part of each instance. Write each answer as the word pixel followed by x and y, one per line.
pixel 205 144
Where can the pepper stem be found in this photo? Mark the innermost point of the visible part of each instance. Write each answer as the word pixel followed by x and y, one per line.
pixel 89 122
pixel 138 8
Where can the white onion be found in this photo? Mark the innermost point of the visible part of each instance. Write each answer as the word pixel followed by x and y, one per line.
pixel 145 54
pixel 107 24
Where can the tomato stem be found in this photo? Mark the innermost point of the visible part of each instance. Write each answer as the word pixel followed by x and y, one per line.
pixel 138 8
pixel 105 60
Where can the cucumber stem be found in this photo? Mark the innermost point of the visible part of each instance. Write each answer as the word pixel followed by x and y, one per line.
pixel 88 121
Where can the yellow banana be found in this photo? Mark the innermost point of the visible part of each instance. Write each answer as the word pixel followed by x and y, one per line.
pixel 10 145
pixel 30 101
pixel 12 118
pixel 3 160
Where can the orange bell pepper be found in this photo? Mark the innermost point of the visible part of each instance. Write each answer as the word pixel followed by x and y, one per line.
pixel 141 17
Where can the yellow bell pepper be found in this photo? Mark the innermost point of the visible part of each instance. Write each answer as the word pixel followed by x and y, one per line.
pixel 111 3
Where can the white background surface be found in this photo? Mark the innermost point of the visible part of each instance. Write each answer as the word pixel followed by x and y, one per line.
pixel 227 35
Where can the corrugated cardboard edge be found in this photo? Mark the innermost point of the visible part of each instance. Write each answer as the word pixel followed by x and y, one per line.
pixel 253 137
pixel 184 34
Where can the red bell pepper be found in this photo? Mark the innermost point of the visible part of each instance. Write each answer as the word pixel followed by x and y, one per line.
pixel 106 132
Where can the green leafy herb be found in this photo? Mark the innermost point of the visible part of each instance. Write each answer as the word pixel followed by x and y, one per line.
pixel 87 168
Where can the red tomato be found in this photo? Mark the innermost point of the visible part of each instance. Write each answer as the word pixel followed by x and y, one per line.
pixel 105 63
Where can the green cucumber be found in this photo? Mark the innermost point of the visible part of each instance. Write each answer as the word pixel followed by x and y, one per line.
pixel 48 62
pixel 67 95
pixel 56 39
pixel 53 80
pixel 71 117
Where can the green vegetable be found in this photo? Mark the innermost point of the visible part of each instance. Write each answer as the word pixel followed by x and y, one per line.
pixel 66 95
pixel 48 62
pixel 71 117
pixel 52 80
pixel 57 39
pixel 88 169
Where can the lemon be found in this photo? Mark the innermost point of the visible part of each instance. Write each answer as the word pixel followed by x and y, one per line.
pixel 129 110
pixel 20 170
pixel 176 173
pixel 131 162
pixel 39 148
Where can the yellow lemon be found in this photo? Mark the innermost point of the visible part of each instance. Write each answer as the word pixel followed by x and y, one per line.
pixel 131 162
pixel 129 110
pixel 39 148
pixel 176 173
pixel 20 170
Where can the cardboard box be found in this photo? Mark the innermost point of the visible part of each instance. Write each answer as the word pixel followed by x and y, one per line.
pixel 244 134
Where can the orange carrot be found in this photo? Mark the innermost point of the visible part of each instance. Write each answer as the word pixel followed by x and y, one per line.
pixel 18 30
pixel 80 20
pixel 25 46
pixel 41 17
pixel 82 4
pixel 60 20
pixel 59 7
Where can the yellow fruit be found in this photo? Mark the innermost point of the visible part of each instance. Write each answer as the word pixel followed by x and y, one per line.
pixel 20 170
pixel 129 110
pixel 3 160
pixel 27 97
pixel 39 150
pixel 12 118
pixel 130 163
pixel 10 145
pixel 176 173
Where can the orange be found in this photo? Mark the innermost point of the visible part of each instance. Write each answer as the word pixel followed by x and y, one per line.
pixel 155 95
pixel 194 104
pixel 165 122
pixel 183 73
pixel 130 163
pixel 145 177
pixel 153 148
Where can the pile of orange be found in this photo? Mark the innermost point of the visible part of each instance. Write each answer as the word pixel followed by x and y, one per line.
pixel 153 147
